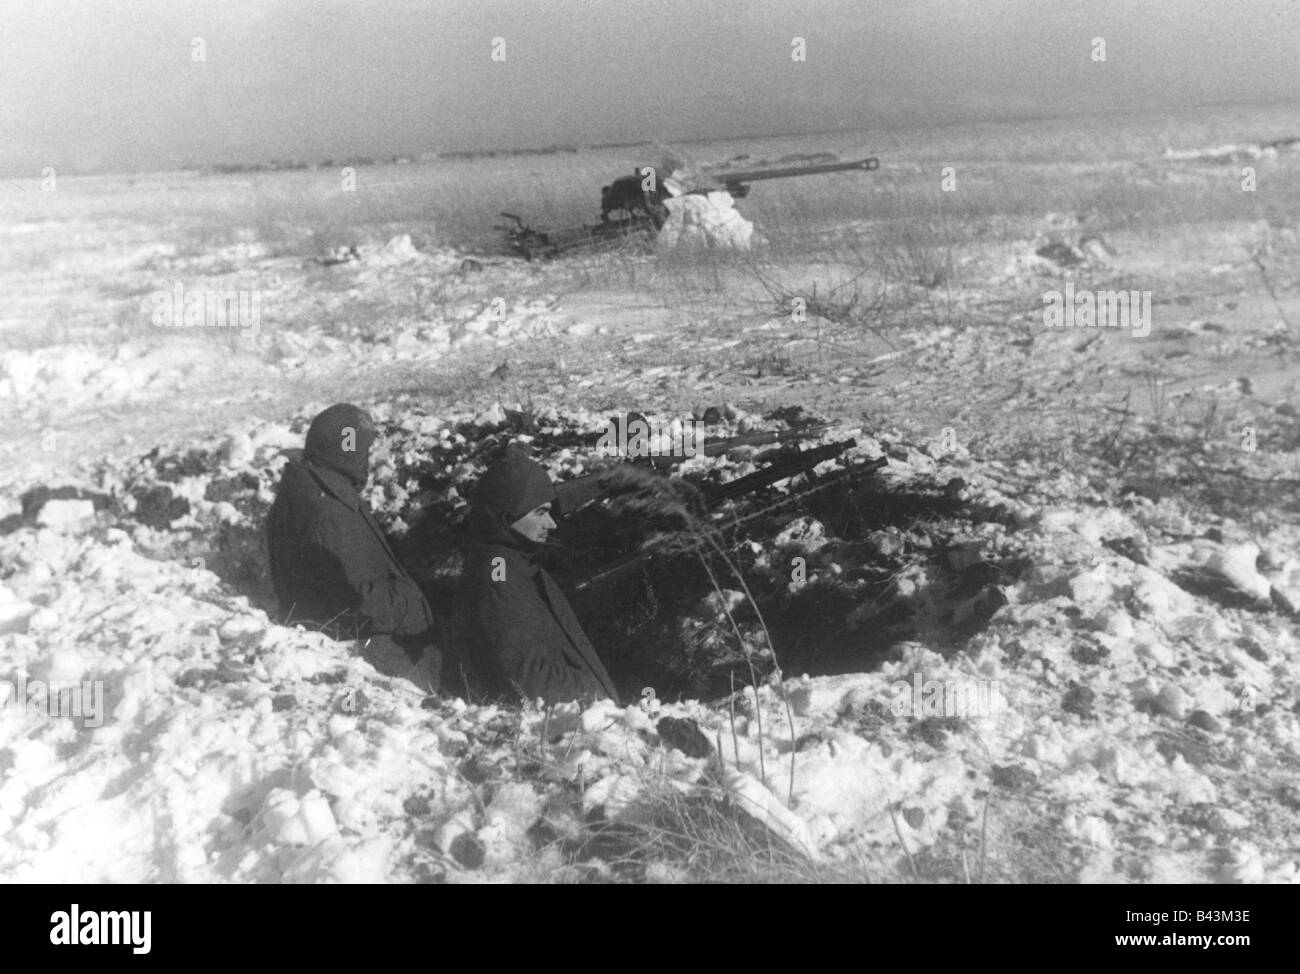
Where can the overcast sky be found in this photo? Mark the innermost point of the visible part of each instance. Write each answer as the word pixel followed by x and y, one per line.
pixel 113 84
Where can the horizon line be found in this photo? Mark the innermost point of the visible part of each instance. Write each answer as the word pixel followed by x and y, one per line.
pixel 413 155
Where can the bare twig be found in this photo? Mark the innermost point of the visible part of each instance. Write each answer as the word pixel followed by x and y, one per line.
pixel 899 832
pixel 735 743
pixel 767 634
pixel 749 659
pixel 984 837
pixel 1268 286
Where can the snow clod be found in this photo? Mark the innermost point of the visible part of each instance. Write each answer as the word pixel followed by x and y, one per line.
pixel 1236 566
pixel 65 515
pixel 1172 701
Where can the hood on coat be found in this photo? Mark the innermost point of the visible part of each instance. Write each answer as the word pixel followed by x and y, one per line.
pixel 513 487
pixel 508 490
pixel 339 439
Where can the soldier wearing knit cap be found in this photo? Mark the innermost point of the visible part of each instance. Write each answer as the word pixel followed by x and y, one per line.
pixel 331 564
pixel 523 639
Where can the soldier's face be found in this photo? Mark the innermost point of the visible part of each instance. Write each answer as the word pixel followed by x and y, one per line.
pixel 536 525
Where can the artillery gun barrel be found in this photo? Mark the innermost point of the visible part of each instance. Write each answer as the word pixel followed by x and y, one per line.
pixel 753 175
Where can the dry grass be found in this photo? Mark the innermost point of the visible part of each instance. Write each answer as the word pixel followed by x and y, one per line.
pixel 702 836
pixel 896 230
pixel 1002 170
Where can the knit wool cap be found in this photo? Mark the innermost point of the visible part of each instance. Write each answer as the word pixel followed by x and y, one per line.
pixel 514 487
pixel 340 439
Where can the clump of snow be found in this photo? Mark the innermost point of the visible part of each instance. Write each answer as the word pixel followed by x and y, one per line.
pixel 707 220
pixel 1236 565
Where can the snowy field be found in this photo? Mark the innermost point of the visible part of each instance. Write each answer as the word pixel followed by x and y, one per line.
pixel 1109 554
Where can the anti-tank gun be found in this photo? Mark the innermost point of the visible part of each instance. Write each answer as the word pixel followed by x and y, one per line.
pixel 636 207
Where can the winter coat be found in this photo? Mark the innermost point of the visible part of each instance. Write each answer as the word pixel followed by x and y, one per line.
pixel 522 639
pixel 332 566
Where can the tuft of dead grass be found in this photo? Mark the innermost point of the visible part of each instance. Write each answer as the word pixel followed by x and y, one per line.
pixel 702 836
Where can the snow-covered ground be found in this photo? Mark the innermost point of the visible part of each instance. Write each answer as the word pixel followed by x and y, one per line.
pixel 1154 732
pixel 1138 716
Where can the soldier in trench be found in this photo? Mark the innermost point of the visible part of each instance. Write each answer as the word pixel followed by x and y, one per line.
pixel 331 565
pixel 522 640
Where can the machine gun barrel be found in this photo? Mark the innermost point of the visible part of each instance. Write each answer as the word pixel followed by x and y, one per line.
pixel 718 445
pixel 781 470
pixel 715 447
pixel 575 493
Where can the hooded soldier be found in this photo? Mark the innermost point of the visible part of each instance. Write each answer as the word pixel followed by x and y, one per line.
pixel 523 640
pixel 330 562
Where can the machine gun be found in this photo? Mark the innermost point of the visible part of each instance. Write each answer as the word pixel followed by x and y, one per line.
pixel 580 491
pixel 713 496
